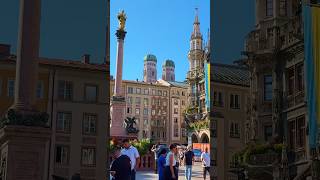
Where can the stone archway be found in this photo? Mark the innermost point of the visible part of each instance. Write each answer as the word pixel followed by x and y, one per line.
pixel 204 138
pixel 194 138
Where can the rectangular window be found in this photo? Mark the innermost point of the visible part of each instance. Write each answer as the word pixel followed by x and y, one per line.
pixel 267 133
pixel 301 132
pixel 64 122
pixel 153 112
pixel 269 7
pixel 176 131
pixel 91 92
pixel 129 110
pixel 218 99
pixel 138 100
pixel 65 90
pixel 145 102
pixel 146 91
pixel 62 155
pixel 267 88
pixel 234 130
pixel 292 134
pixel 89 124
pixel 137 111
pixel 159 102
pixel 144 134
pixel 159 93
pixel 164 93
pixel 145 111
pixel 234 101
pixel 129 100
pixel 300 78
pixel 290 81
pixel 130 90
pixel 175 110
pixel 10 88
pixel 283 7
pixel 40 89
pixel 176 102
pixel 175 120
pixel 183 93
pixel 138 90
pixel 182 102
pixel 145 122
pixel 153 92
pixel 88 156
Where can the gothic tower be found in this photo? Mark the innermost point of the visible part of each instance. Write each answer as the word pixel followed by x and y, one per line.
pixel 168 70
pixel 196 68
pixel 150 68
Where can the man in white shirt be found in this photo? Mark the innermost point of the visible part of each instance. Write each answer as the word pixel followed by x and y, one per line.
pixel 205 159
pixel 134 156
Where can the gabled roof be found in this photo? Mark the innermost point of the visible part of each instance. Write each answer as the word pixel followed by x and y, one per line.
pixel 178 84
pixel 173 83
pixel 230 74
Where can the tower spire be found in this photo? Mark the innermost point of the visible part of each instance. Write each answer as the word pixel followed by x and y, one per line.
pixel 196 26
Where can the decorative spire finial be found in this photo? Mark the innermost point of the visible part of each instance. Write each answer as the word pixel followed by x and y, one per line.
pixel 196 20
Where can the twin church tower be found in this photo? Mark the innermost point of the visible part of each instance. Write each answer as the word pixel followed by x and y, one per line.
pixel 150 69
pixel 195 56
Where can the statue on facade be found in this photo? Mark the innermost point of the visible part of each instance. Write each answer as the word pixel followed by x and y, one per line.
pixel 248 114
pixel 122 20
pixel 129 122
pixel 275 113
pixel 253 117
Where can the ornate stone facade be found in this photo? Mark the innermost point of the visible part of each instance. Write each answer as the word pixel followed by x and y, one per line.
pixel 274 51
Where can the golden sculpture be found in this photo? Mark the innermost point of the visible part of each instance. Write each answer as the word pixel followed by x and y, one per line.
pixel 122 20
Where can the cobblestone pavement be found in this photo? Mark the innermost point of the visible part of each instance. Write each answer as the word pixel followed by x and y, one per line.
pixel 196 173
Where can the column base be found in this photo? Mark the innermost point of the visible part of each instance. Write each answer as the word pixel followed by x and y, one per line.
pixel 24 152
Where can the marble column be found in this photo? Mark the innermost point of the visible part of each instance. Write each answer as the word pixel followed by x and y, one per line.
pixel 27 55
pixel 118 81
pixel 118 103
pixel 24 134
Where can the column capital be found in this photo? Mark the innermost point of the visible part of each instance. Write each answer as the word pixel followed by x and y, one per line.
pixel 121 34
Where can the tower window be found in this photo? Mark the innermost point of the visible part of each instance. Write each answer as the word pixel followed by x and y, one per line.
pixel 269 7
pixel 267 87
pixel 283 7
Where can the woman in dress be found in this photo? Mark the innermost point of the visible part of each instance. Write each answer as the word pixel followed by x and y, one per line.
pixel 171 170
pixel 162 163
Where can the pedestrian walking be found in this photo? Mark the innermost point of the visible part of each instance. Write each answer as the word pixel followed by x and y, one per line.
pixel 162 163
pixel 188 161
pixel 134 156
pixel 171 169
pixel 205 159
pixel 121 166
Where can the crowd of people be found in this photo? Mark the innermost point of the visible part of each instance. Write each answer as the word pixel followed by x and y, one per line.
pixel 126 160
pixel 168 162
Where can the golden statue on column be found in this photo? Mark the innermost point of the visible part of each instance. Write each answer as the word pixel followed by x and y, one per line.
pixel 122 20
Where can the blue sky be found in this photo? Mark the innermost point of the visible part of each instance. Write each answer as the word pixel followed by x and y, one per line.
pixel 232 21
pixel 159 27
pixel 72 28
